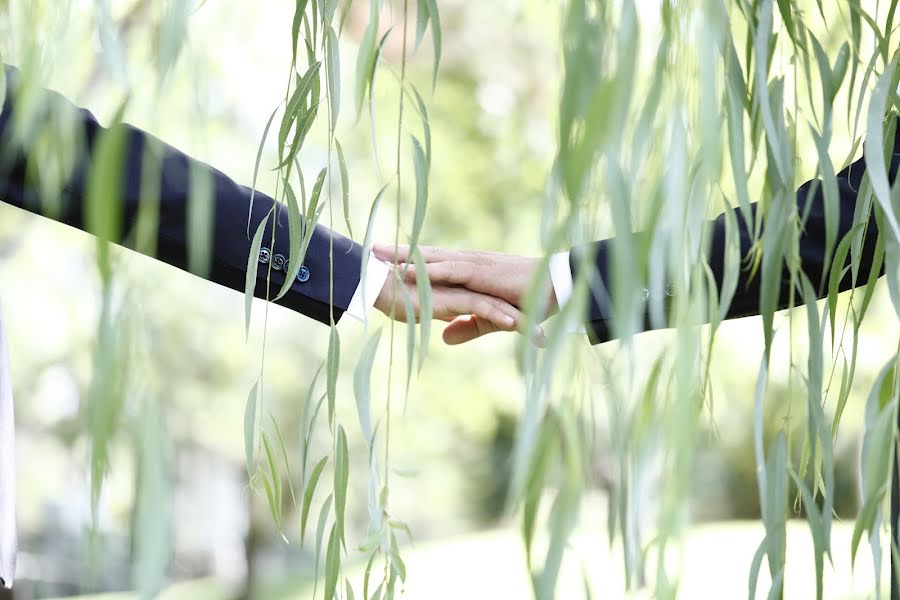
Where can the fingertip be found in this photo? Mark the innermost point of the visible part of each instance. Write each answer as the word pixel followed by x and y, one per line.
pixel 540 338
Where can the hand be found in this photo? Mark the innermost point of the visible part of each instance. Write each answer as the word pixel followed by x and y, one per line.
pixel 503 276
pixel 486 314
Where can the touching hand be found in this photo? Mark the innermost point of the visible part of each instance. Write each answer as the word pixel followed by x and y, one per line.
pixel 504 277
pixel 486 313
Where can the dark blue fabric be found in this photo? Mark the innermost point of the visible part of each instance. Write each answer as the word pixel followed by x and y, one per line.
pixel 812 249
pixel 230 243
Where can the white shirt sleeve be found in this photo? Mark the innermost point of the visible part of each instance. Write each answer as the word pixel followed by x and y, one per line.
pixel 370 285
pixel 563 283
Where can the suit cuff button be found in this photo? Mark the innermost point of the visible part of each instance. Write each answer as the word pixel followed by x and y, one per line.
pixel 264 256
pixel 670 290
pixel 278 262
pixel 303 275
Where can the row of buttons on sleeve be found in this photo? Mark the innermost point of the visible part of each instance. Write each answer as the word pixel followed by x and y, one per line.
pixel 280 263
pixel 670 291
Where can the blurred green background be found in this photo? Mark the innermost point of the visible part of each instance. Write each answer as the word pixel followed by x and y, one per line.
pixel 494 142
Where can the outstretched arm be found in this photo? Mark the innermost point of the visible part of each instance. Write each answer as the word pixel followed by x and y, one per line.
pixel 509 277
pixel 154 179
pixel 149 165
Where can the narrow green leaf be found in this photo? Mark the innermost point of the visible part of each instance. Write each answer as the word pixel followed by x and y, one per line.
pixel 200 221
pixel 422 17
pixel 365 56
pixel 362 385
pixel 874 148
pixel 423 287
pixel 435 18
pixel 755 566
pixel 341 478
pixel 308 495
pixel 270 497
pixel 284 456
pixel 295 232
pixel 103 206
pixel 426 125
pixel 252 266
pixel 333 365
pixel 333 61
pixel 837 272
pixel 305 420
pixel 410 339
pixel 259 152
pixel 250 428
pixel 345 185
pixel 320 532
pixel 297 102
pixel 299 14
pixel 421 167
pixel 816 528
pixel 332 562
pixel 274 494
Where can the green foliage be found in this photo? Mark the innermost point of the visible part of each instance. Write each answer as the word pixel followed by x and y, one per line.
pixel 664 116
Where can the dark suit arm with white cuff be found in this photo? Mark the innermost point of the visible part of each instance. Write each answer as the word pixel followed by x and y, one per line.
pixel 310 294
pixel 746 302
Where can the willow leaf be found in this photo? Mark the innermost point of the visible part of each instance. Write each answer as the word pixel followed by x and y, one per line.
pixel 296 104
pixel 333 61
pixel 422 17
pixel 837 273
pixel 308 495
pixel 275 499
pixel 284 457
pixel 259 152
pixel 874 148
pixel 426 125
pixel 362 386
pixel 299 14
pixel 296 229
pixel 365 56
pixel 421 167
pixel 332 562
pixel 345 185
pixel 252 266
pixel 270 497
pixel 423 287
pixel 816 528
pixel 334 360
pixel 320 531
pixel 755 566
pixel 435 18
pixel 250 411
pixel 341 478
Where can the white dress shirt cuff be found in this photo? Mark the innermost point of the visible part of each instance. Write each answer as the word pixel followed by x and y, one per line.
pixel 563 283
pixel 370 284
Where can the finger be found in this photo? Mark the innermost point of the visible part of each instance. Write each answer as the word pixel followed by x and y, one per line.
pixel 451 272
pixel 502 314
pixel 499 311
pixel 401 253
pixel 391 253
pixel 467 328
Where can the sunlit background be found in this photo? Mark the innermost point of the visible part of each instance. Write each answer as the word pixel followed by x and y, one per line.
pixel 492 118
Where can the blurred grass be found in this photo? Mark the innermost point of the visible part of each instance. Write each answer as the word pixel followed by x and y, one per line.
pixel 491 564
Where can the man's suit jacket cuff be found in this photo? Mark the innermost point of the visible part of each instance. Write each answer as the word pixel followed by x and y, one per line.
pixel 370 285
pixel 563 283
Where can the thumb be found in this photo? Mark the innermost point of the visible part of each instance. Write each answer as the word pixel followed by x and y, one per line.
pixel 467 328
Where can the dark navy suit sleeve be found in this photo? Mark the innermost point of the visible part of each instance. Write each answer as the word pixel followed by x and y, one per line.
pixel 812 248
pixel 310 294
